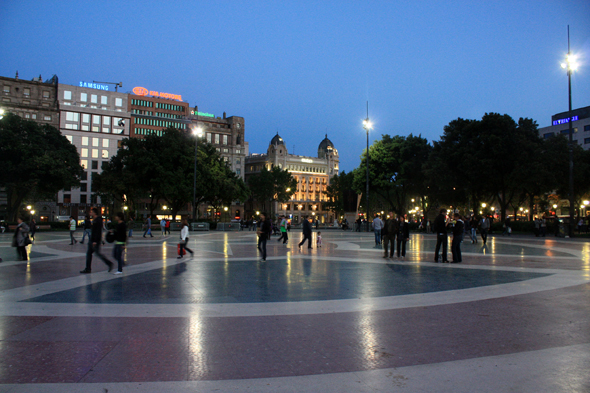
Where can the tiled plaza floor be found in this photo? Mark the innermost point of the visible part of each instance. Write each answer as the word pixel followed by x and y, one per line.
pixel 514 316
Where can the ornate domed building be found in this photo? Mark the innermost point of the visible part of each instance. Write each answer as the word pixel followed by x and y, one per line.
pixel 313 176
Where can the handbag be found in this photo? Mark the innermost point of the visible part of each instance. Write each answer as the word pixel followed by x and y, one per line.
pixel 110 237
pixel 28 240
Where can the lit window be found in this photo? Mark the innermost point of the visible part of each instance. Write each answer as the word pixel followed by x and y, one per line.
pixel 95 142
pixel 106 120
pixel 106 130
pixel 217 138
pixel 209 137
pixel 84 153
pixel 72 116
pixel 67 95
pixel 70 138
pixel 47 118
pixel 225 139
pixel 94 98
pixel 84 163
pixel 84 141
pixel 118 101
pixel 33 116
pixel 103 100
pixel 105 154
pixel 105 143
pixel 94 153
pixel 95 119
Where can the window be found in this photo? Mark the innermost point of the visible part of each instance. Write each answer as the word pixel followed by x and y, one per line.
pixel 586 141
pixel 238 171
pixel 106 130
pixel 83 97
pixel 238 151
pixel 209 137
pixel 83 198
pixel 548 135
pixel 84 175
pixel 70 138
pixel 27 91
pixel 225 139
pixel 226 150
pixel 85 118
pixel 217 138
pixel 106 120
pixel 72 116
pixel 67 95
pixel 47 118
pixel 103 100
pixel 105 143
pixel 83 187
pixel 84 141
pixel 94 164
pixel 67 198
pixel 118 101
pixel 84 153
pixel 33 116
pixel 94 154
pixel 84 164
pixel 27 115
pixel 94 98
pixel 95 119
pixel 7 89
pixel 238 161
pixel 95 142
pixel 105 154
pixel 587 128
pixel 45 94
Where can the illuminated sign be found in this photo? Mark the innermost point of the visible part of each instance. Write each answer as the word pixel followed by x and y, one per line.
pixel 142 91
pixel 564 121
pixel 202 114
pixel 97 86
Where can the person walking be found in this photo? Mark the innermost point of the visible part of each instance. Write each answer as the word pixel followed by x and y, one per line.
pixel 94 242
pixel 163 226
pixel 131 226
pixel 283 229
pixel 33 228
pixel 473 226
pixel 86 227
pixel 403 236
pixel 167 227
pixel 148 226
pixel 507 228
pixel 184 239
pixel 306 233
pixel 458 229
pixel 19 239
pixel 440 228
pixel 389 233
pixel 120 241
pixel 263 232
pixel 543 226
pixel 377 227
pixel 484 227
pixel 72 230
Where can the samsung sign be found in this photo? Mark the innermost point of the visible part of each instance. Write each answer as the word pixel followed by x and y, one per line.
pixel 564 121
pixel 93 85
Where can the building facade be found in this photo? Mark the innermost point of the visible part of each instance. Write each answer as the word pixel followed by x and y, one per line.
pixel 151 115
pixel 95 120
pixel 32 100
pixel 313 176
pixel 580 119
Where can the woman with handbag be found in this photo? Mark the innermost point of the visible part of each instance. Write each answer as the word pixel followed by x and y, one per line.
pixel 21 239
pixel 184 240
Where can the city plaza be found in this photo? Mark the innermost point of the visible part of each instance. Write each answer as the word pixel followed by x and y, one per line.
pixel 514 316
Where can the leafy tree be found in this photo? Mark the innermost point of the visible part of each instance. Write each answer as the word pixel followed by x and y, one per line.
pixel 269 186
pixel 340 194
pixel 395 170
pixel 37 160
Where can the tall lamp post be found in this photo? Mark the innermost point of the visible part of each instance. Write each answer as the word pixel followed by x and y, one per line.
pixel 367 125
pixel 570 65
pixel 197 132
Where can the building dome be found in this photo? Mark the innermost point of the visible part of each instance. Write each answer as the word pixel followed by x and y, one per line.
pixel 325 146
pixel 277 140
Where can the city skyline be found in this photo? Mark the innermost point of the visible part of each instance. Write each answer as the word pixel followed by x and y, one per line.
pixel 305 70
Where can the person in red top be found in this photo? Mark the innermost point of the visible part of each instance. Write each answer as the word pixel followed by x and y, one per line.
pixel 167 227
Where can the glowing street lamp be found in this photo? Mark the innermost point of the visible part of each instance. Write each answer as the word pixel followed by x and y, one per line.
pixel 367 125
pixel 198 133
pixel 570 65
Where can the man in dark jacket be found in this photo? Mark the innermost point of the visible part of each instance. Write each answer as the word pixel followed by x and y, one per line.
pixel 120 241
pixel 402 237
pixel 388 233
pixel 440 228
pixel 94 243
pixel 264 230
pixel 306 233
pixel 458 229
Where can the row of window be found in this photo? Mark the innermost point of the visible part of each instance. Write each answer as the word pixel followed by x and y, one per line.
pixel 147 131
pixel 158 123
pixel 170 107
pixel 104 100
pixel 217 138
pixel 27 91
pixel 302 206
pixel 136 102
pixel 33 116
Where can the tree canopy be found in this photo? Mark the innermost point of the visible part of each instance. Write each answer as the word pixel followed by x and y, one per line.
pixel 37 162
pixel 274 185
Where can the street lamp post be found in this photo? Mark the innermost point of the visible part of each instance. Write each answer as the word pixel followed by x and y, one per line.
pixel 367 126
pixel 570 65
pixel 197 132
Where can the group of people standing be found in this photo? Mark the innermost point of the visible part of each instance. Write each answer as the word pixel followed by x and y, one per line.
pixel 390 232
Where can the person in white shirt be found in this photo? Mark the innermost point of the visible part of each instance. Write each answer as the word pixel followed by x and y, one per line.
pixel 163 226
pixel 72 230
pixel 184 239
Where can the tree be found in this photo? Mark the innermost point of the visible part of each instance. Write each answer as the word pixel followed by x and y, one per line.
pixel 395 170
pixel 274 185
pixel 340 193
pixel 37 160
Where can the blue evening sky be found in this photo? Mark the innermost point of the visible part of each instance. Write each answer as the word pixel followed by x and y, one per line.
pixel 307 68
